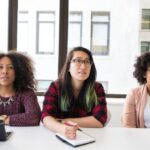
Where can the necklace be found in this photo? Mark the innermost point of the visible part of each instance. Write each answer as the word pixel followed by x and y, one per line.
pixel 2 102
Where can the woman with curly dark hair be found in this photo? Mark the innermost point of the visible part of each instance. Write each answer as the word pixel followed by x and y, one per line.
pixel 136 111
pixel 18 101
pixel 75 99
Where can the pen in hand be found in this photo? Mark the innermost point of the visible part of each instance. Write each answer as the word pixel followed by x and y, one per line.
pixel 70 129
pixel 72 124
pixel 69 123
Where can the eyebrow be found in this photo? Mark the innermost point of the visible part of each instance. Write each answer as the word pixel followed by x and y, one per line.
pixel 81 58
pixel 6 64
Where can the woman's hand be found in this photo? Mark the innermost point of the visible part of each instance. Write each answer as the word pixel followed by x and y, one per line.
pixel 5 119
pixel 70 129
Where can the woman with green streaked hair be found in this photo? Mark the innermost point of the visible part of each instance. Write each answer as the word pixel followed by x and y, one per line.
pixel 75 99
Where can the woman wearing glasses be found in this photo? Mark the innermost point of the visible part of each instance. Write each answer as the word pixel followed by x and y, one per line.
pixel 75 99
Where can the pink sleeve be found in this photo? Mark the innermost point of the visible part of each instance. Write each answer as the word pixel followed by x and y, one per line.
pixel 129 111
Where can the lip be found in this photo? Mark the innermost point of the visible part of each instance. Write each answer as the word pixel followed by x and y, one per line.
pixel 82 73
pixel 4 78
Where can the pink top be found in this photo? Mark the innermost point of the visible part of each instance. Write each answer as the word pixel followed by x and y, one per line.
pixel 133 113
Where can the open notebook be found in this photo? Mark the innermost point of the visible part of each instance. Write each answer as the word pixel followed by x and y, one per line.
pixel 81 139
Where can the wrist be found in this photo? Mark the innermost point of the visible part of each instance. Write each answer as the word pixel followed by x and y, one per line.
pixel 6 121
pixel 3 117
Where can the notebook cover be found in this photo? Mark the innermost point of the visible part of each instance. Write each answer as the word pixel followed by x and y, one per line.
pixel 81 139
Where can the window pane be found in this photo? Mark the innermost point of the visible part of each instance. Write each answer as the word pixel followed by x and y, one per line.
pixel 100 43
pixel 75 17
pixel 74 38
pixel 46 16
pixel 23 26
pixel 145 47
pixel 75 28
pixel 43 85
pixel 45 32
pixel 100 17
pixel 146 19
pixel 3 25
pixel 37 35
pixel 100 34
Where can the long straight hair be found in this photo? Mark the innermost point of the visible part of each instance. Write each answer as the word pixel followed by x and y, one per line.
pixel 87 97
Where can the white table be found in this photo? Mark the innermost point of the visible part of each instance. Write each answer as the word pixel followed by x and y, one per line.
pixel 39 138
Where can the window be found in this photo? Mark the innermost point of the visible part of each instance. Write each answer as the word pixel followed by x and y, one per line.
pixel 23 31
pixel 146 19
pixel 145 47
pixel 45 32
pixel 38 36
pixel 75 29
pixel 3 25
pixel 100 33
pixel 43 85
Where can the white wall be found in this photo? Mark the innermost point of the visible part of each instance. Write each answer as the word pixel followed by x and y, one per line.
pixel 115 106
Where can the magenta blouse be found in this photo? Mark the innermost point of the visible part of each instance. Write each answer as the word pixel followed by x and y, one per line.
pixel 23 111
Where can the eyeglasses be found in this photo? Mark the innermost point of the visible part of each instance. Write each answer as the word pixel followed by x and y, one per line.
pixel 79 62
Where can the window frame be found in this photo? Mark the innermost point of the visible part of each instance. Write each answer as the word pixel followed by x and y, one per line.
pixel 108 31
pixel 77 22
pixel 142 21
pixel 145 42
pixel 38 22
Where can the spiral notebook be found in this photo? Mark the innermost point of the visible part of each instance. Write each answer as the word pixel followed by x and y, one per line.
pixel 81 139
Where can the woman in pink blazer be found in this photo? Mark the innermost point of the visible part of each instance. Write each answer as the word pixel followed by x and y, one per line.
pixel 136 112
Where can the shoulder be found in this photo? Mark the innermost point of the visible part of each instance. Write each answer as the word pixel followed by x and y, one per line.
pixel 138 90
pixel 55 84
pixel 99 88
pixel 98 85
pixel 135 93
pixel 26 93
pixel 54 87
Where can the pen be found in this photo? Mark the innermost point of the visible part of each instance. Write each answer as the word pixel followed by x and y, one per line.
pixel 72 124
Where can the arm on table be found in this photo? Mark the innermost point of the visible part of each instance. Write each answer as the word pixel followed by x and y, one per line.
pixel 87 122
pixel 54 125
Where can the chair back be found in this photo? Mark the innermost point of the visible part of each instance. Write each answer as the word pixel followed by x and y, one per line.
pixel 108 117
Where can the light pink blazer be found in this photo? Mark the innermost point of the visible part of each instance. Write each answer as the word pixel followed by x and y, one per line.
pixel 133 112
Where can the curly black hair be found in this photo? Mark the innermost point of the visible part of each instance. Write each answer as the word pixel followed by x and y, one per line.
pixel 141 66
pixel 24 71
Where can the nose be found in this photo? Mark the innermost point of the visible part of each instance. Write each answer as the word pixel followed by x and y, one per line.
pixel 83 65
pixel 5 70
